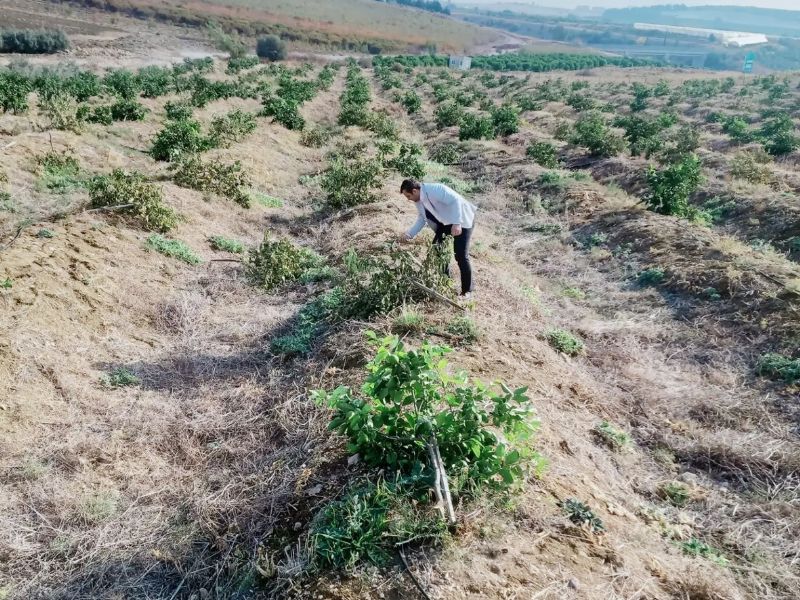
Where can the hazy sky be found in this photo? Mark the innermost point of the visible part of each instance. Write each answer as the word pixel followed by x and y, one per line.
pixel 785 4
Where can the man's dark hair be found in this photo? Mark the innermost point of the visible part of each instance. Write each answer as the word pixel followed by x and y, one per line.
pixel 409 185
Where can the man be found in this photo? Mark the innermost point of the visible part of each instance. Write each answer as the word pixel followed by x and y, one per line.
pixel 448 213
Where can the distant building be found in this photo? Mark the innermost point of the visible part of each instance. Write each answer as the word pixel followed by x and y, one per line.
pixel 727 38
pixel 460 62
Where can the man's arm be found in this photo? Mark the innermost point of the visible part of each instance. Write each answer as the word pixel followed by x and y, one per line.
pixel 416 227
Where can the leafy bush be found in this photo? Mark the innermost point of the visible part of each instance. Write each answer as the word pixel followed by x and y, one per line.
pixel 408 162
pixel 271 47
pixel 671 187
pixel 122 83
pixel 351 181
pixel 127 110
pixel 311 320
pixel 178 111
pixel 564 342
pixel 614 438
pixel 583 516
pixel 223 244
pixel 177 138
pixel 227 180
pixel 752 166
pixel 505 120
pixel 543 154
pixel 411 102
pixel 591 131
pixel 446 153
pixel 780 367
pixel 463 328
pixel 381 124
pixel 14 90
pixel 581 102
pixel 779 135
pixel 120 377
pixel 651 276
pixel 695 547
pixel 61 172
pixel 136 195
pixel 240 63
pixel 101 115
pixel 683 141
pixel 448 114
pixel 62 110
pixel 408 398
pixel 285 112
pixel 676 493
pixel 408 321
pixel 315 137
pixel 738 130
pixel 172 248
pixel 474 127
pixel 278 262
pixel 230 128
pixel 642 133
pixel 33 41
pixel 154 81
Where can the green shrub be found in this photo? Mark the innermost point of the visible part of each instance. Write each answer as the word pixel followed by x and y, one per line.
pixel 172 248
pixel 311 320
pixel 738 130
pixel 505 120
pixel 753 167
pixel 316 137
pixel 651 276
pixel 266 200
pixel 122 83
pixel 381 124
pixel 61 172
pixel 227 180
pixel 228 43
pixel 408 321
pixel 543 154
pixel 411 102
pixel 591 131
pixel 676 493
pixel 101 115
pixel 231 128
pixel 475 127
pixel 779 135
pixel 178 138
pixel 128 110
pixel 464 328
pixel 285 112
pixel 138 197
pixel 779 366
pixel 446 153
pixel 408 162
pixel 581 102
pixel 178 111
pixel 154 81
pixel 62 110
pixel 642 133
pixel 240 63
pixel 564 342
pixel 671 187
pixel 33 41
pixel 583 516
pixel 695 547
pixel 408 398
pixel 613 437
pixel 120 377
pixel 223 244
pixel 278 262
pixel 14 90
pixel 348 182
pixel 448 114
pixel 271 47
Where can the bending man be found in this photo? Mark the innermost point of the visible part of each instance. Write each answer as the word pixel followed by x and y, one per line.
pixel 448 213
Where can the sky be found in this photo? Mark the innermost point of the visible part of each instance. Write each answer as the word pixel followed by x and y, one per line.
pixel 785 4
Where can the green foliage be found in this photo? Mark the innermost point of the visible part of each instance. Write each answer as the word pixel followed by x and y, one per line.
pixel 223 244
pixel 271 47
pixel 231 128
pixel 564 342
pixel 448 114
pixel 753 167
pixel 591 131
pixel 120 377
pixel 61 172
pixel 227 180
pixel 738 129
pixel 521 61
pixel 408 321
pixel 227 43
pixel 127 110
pixel 316 137
pixel 695 547
pixel 178 138
pixel 614 438
pixel 382 125
pixel 7 283
pixel 679 143
pixel 351 181
pixel 676 493
pixel 145 199
pixel 779 366
pixel 367 524
pixel 101 115
pixel 778 135
pixel 62 111
pixel 240 63
pixel 354 98
pixel 283 111
pixel 278 262
pixel 505 120
pixel 14 90
pixel 326 77
pixel 671 187
pixel 411 102
pixel 475 127
pixel 122 83
pixel 651 276
pixel 311 320
pixel 543 154
pixel 583 516
pixel 408 398
pixel 446 153
pixel 172 248
pixel 642 133
pixel 266 200
pixel 45 234
pixel 581 102
pixel 178 111
pixel 154 81
pixel 408 162
pixel 33 41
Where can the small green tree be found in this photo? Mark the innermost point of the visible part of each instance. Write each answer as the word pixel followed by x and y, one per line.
pixel 271 47
pixel 592 131
pixel 671 187
pixel 411 101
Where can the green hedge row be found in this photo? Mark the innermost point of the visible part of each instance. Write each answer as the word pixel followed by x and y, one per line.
pixel 33 41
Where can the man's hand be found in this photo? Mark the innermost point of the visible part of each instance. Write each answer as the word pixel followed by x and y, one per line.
pixel 455 230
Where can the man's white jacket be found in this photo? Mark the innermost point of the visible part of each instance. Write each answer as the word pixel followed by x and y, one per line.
pixel 444 203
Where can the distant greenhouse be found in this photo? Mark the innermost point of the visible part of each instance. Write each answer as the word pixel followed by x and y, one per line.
pixel 728 38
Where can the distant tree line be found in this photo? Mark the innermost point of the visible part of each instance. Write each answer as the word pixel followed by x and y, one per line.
pixel 429 5
pixel 33 41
